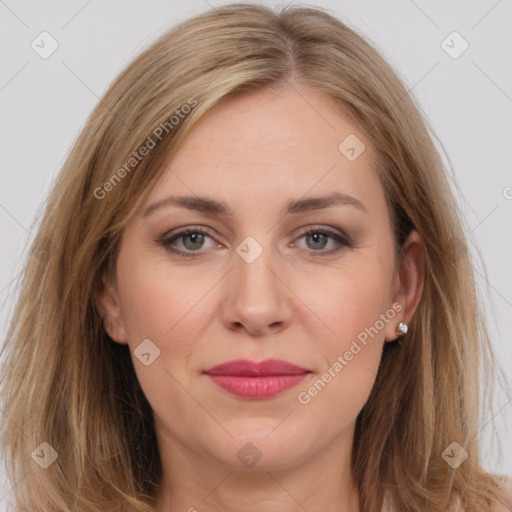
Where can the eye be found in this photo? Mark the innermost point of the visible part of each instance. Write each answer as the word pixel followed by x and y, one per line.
pixel 319 238
pixel 192 240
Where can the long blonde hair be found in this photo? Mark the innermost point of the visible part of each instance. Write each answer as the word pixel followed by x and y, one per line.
pixel 67 384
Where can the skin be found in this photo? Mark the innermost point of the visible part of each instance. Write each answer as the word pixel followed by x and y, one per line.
pixel 255 152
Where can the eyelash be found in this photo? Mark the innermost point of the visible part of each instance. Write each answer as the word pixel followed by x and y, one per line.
pixel 167 241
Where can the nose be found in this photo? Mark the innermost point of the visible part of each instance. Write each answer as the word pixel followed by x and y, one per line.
pixel 257 299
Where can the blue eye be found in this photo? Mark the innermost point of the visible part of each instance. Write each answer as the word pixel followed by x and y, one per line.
pixel 193 239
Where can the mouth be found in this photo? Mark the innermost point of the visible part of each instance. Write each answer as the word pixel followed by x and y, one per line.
pixel 256 380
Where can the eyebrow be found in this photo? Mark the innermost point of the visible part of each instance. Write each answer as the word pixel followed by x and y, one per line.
pixel 211 206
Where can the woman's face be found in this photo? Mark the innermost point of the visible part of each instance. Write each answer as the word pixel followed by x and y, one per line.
pixel 248 284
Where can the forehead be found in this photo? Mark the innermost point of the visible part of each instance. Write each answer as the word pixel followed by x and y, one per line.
pixel 273 145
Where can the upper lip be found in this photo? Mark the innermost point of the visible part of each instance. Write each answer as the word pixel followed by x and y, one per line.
pixel 247 368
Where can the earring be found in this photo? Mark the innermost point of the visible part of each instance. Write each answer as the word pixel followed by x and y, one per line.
pixel 401 329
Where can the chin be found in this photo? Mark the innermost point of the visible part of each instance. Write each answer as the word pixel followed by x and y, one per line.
pixel 266 450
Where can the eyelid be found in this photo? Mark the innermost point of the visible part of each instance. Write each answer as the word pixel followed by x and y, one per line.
pixel 307 230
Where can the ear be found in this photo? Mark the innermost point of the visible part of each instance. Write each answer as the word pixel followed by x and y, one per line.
pixel 407 283
pixel 106 297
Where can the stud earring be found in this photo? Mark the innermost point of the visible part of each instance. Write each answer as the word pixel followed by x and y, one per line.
pixel 401 329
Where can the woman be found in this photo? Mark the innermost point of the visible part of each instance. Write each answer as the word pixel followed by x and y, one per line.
pixel 254 291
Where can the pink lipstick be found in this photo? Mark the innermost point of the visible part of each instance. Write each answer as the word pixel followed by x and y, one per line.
pixel 256 380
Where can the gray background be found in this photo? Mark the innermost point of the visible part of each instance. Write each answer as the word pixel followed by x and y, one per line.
pixel 468 101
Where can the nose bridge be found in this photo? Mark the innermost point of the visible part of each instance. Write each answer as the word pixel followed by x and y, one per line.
pixel 255 282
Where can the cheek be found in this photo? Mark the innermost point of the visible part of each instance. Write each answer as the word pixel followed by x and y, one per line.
pixel 157 301
pixel 168 307
pixel 357 314
pixel 350 357
pixel 347 300
pixel 356 310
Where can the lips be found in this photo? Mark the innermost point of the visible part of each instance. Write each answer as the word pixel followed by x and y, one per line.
pixel 256 380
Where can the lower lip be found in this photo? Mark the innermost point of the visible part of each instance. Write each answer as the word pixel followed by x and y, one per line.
pixel 257 387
